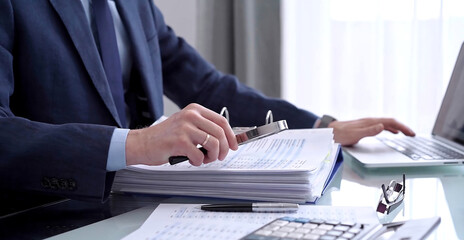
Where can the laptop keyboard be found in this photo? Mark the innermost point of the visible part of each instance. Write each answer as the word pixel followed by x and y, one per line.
pixel 304 228
pixel 420 148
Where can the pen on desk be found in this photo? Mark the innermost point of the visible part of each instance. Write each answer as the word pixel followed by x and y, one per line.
pixel 251 207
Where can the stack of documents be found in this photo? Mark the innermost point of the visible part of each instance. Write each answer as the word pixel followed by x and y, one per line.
pixel 291 166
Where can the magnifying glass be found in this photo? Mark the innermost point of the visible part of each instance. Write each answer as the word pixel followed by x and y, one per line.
pixel 243 137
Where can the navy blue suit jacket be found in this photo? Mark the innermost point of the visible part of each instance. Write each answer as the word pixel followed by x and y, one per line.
pixel 56 111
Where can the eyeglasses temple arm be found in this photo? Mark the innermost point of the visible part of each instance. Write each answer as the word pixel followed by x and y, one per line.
pixel 385 196
pixel 404 183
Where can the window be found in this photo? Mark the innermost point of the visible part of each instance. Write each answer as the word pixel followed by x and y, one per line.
pixel 382 58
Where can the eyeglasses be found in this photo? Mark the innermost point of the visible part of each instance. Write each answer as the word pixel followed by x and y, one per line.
pixel 392 196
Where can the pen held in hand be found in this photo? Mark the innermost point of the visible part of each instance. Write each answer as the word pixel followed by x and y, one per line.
pixel 251 207
pixel 179 159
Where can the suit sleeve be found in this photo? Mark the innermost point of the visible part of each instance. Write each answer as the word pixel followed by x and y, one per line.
pixel 189 78
pixel 68 160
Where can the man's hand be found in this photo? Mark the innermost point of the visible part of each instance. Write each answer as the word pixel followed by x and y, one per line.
pixel 179 135
pixel 350 132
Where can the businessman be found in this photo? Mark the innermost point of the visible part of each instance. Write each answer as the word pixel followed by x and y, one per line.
pixel 77 75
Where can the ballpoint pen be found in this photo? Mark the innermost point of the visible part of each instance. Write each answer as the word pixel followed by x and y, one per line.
pixel 251 207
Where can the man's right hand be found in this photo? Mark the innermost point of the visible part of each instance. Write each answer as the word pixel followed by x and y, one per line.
pixel 179 135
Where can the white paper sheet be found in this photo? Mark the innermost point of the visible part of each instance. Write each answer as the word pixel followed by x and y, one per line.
pixel 295 149
pixel 187 221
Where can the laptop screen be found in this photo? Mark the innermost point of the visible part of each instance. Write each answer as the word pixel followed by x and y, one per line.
pixel 450 120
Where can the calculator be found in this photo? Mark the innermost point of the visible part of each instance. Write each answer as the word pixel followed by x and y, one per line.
pixel 290 228
pixel 305 228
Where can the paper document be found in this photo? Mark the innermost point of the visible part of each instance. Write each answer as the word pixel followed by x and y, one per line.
pixel 290 166
pixel 187 221
pixel 298 149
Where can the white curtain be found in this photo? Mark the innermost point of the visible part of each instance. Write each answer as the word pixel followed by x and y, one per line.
pixel 380 58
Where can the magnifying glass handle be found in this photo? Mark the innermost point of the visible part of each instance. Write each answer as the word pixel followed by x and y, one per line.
pixel 178 159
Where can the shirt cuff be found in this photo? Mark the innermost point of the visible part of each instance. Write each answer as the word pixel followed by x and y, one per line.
pixel 117 152
pixel 317 123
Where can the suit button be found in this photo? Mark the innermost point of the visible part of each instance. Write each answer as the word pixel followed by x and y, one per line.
pixel 54 183
pixel 72 184
pixel 63 184
pixel 45 182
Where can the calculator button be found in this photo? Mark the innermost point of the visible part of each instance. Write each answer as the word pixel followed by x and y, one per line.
pixel 334 233
pixel 311 236
pixel 319 231
pixel 294 224
pixel 332 222
pixel 295 235
pixel 302 220
pixel 327 237
pixel 279 234
pixel 279 223
pixel 271 228
pixel 348 235
pixel 317 221
pixel 303 230
pixel 310 225
pixel 325 227
pixel 341 228
pixel 287 229
pixel 349 224
pixel 263 232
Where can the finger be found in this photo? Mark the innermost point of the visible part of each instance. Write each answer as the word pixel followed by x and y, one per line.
pixel 214 124
pixel 211 144
pixel 195 155
pixel 390 124
pixel 207 141
pixel 221 122
pixel 394 126
pixel 187 145
pixel 393 130
pixel 217 133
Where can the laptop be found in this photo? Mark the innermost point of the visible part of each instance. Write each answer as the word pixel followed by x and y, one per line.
pixel 444 146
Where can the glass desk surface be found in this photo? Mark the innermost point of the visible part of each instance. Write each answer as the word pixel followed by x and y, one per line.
pixel 430 191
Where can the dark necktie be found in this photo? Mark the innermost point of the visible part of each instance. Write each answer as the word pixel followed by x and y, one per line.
pixel 109 54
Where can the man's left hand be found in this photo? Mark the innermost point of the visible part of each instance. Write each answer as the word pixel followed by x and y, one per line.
pixel 350 132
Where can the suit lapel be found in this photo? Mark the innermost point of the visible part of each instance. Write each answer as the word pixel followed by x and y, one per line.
pixel 73 16
pixel 142 59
